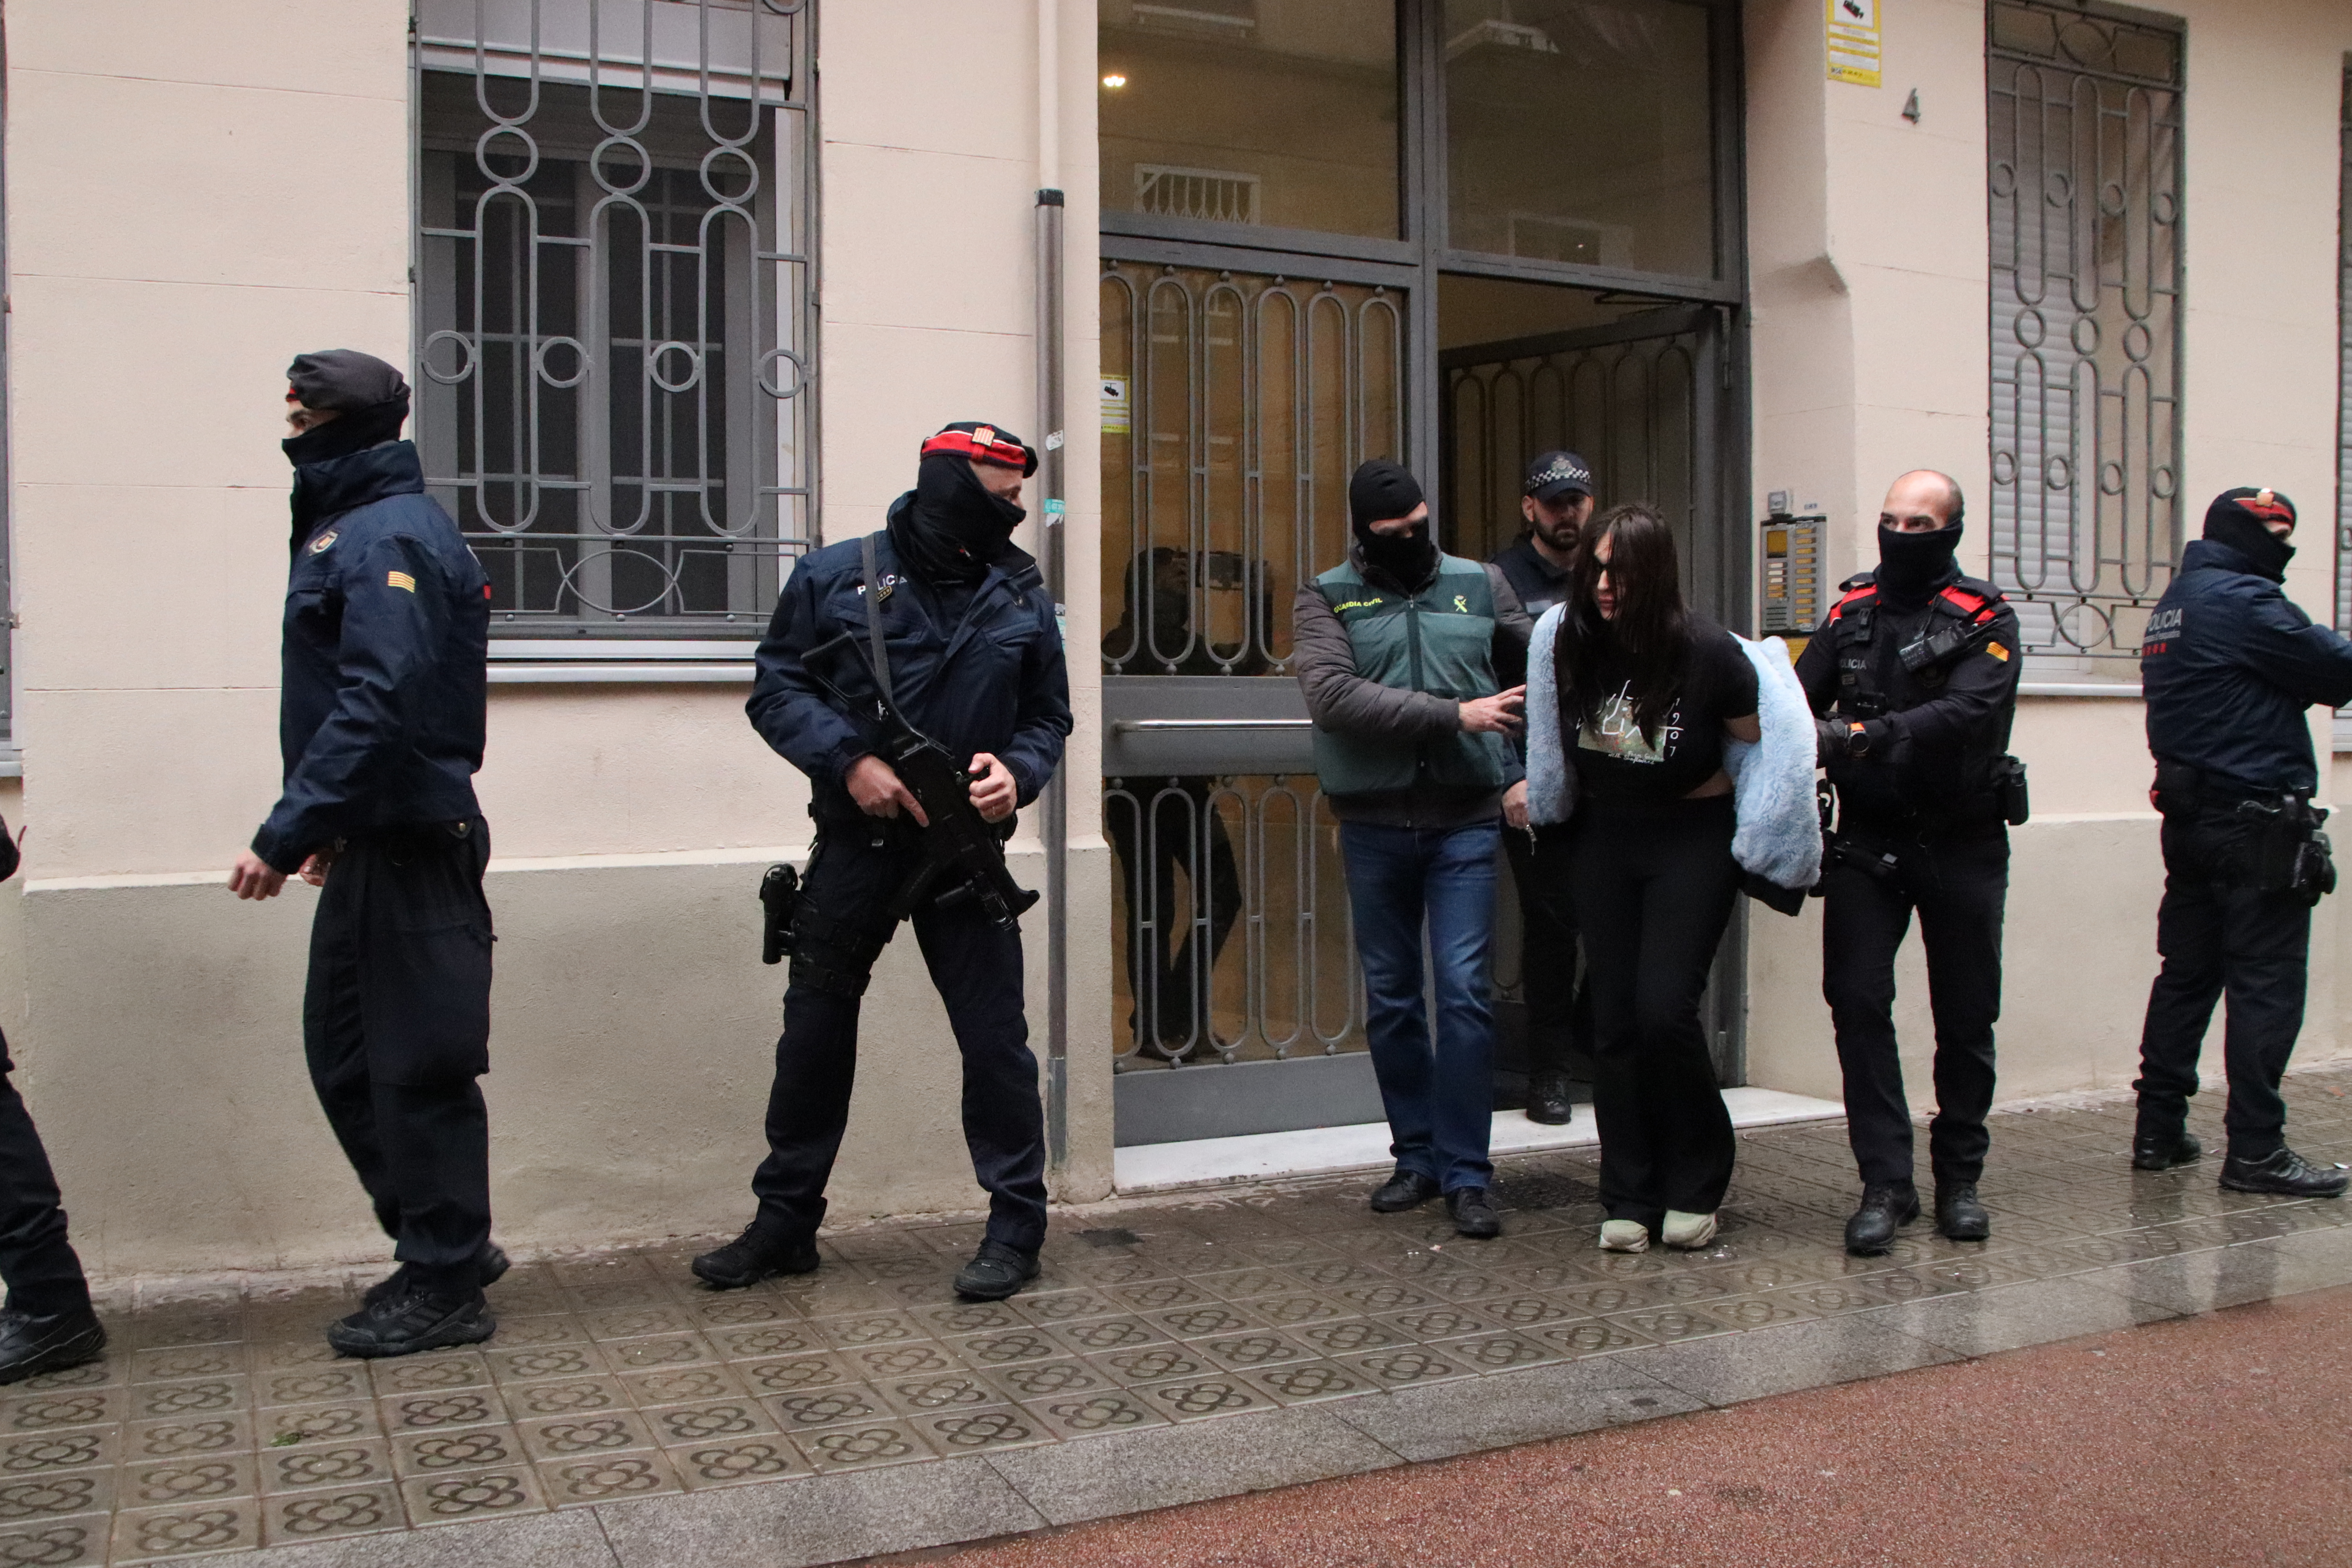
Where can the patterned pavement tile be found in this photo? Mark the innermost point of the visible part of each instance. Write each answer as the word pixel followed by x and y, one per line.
pixel 476 1494
pixel 324 1515
pixel 737 1461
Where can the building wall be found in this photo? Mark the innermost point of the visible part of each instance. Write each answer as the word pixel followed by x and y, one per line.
pixel 196 197
pixel 1869 257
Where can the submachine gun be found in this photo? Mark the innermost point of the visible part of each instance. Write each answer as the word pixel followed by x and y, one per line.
pixel 959 848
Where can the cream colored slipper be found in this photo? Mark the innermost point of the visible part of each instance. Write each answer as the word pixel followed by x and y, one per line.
pixel 1687 1232
pixel 1624 1235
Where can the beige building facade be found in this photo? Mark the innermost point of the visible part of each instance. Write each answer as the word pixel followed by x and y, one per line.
pixel 721 264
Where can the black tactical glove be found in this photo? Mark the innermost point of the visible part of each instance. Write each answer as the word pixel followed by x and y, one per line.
pixel 1829 735
pixel 1872 739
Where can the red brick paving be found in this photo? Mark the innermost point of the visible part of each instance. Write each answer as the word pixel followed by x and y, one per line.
pixel 2211 1442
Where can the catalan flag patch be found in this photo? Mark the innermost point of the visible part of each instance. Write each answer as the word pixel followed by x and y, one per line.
pixel 1998 651
pixel 400 580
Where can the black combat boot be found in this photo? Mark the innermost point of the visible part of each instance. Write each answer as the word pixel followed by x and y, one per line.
pixel 1548 1100
pixel 1405 1190
pixel 491 1264
pixel 420 1318
pixel 995 1271
pixel 1473 1214
pixel 754 1256
pixel 2160 1149
pixel 2285 1173
pixel 32 1343
pixel 1886 1207
pixel 1958 1216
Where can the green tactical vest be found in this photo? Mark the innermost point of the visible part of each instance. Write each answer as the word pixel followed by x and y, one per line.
pixel 1440 640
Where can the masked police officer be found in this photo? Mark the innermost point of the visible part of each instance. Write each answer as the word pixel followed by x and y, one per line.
pixel 1540 567
pixel 972 658
pixel 2229 665
pixel 380 721
pixel 1914 677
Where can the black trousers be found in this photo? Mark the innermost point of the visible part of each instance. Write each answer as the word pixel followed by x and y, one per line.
pixel 37 1263
pixel 396 1026
pixel 1958 885
pixel 1173 827
pixel 2218 939
pixel 976 966
pixel 1653 886
pixel 1560 1013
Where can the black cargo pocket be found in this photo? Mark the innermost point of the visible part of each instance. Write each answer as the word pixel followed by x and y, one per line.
pixel 426 1002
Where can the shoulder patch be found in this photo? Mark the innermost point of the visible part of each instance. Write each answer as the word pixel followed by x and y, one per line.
pixel 322 542
pixel 1998 651
pixel 400 580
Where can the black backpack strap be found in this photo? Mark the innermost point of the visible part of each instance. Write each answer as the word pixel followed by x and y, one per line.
pixel 872 597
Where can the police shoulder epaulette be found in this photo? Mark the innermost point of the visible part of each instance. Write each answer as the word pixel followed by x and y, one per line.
pixel 1859 591
pixel 1976 600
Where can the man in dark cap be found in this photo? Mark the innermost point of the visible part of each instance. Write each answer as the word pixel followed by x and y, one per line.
pixel 972 659
pixel 1397 649
pixel 380 723
pixel 1555 506
pixel 2228 665
pixel 1914 679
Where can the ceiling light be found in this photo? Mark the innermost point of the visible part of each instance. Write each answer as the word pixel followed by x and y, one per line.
pixel 1114 80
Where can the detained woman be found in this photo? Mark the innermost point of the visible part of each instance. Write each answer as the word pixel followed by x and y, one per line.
pixel 1648 695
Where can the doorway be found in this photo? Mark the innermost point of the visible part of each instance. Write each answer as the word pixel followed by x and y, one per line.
pixel 1432 230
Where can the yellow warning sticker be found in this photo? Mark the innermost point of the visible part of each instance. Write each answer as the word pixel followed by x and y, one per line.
pixel 400 580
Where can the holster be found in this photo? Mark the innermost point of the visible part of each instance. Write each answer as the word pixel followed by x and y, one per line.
pixel 2282 849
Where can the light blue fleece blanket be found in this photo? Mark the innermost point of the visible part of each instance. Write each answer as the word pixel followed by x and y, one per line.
pixel 1779 836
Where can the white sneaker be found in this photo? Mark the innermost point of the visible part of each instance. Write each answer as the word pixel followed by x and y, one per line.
pixel 1624 1235
pixel 1688 1231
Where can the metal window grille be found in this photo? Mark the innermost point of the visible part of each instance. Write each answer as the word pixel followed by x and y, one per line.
pixel 616 304
pixel 2084 145
pixel 1212 196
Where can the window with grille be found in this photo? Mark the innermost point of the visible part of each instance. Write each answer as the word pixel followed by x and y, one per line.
pixel 2085 184
pixel 616 306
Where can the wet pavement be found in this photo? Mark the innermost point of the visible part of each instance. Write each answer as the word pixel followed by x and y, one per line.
pixel 1174 1350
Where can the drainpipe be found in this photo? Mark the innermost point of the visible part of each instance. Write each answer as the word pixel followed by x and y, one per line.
pixel 1056 829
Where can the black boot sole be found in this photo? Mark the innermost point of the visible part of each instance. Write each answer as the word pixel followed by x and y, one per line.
pixel 1562 1119
pixel 1880 1249
pixel 2281 1189
pixel 77 1349
pixel 2165 1161
pixel 1970 1231
pixel 991 1291
pixel 1391 1205
pixel 452 1332
pixel 803 1264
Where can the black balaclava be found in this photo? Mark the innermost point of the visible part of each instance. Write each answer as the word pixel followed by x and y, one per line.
pixel 1381 491
pixel 2237 519
pixel 371 395
pixel 1912 567
pixel 956 528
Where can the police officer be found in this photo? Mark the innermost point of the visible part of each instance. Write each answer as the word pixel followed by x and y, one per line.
pixel 2228 665
pixel 974 660
pixel 48 1324
pixel 1913 677
pixel 1540 567
pixel 380 722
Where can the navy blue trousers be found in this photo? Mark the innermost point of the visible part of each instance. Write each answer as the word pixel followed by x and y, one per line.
pixel 839 930
pixel 396 1026
pixel 43 1276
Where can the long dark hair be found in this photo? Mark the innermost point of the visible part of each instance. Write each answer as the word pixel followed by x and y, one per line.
pixel 1651 628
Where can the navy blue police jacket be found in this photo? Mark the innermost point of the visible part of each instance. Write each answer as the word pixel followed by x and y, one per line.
pixel 383 659
pixel 2228 665
pixel 989 679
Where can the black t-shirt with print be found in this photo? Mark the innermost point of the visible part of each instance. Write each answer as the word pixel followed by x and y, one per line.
pixel 1615 762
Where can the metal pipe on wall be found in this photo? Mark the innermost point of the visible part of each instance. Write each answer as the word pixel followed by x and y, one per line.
pixel 1055 828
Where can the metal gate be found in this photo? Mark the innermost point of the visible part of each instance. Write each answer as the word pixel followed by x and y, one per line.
pixel 1236 405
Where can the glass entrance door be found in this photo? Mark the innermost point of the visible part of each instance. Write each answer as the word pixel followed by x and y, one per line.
pixel 1316 214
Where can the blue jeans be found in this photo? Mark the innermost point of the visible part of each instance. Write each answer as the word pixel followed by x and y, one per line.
pixel 1439 1094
